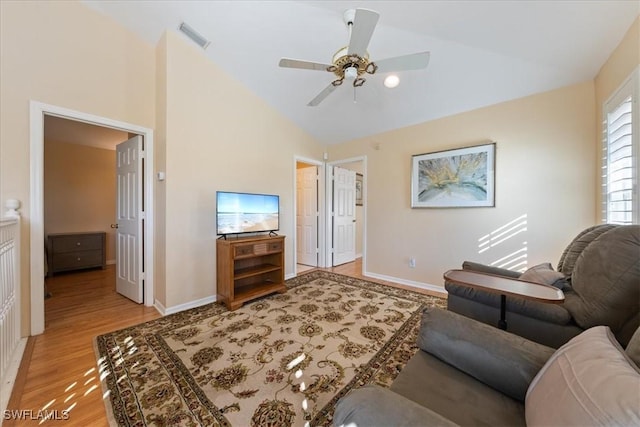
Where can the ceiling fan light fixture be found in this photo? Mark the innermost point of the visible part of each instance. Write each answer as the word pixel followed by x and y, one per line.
pixel 351 73
pixel 391 81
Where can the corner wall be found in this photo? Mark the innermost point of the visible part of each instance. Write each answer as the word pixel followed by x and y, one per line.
pixel 219 136
pixel 544 174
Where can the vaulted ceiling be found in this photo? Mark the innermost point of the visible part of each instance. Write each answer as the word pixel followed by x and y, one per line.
pixel 482 52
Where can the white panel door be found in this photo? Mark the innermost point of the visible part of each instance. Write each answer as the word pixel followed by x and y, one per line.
pixel 307 216
pixel 129 217
pixel 344 216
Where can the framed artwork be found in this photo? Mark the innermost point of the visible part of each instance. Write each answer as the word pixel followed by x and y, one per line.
pixel 464 177
pixel 358 189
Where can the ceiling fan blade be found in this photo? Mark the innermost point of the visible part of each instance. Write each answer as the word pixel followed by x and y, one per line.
pixel 322 95
pixel 414 61
pixel 364 23
pixel 305 65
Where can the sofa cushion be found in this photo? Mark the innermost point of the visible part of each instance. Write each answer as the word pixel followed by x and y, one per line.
pixel 545 275
pixel 458 397
pixel 606 278
pixel 499 359
pixel 587 381
pixel 633 348
pixel 482 268
pixel 376 406
pixel 578 244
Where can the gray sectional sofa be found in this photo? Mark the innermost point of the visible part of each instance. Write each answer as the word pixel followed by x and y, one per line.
pixel 469 373
pixel 599 273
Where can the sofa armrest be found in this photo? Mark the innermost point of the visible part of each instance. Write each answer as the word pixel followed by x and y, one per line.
pixel 495 357
pixel 482 268
pixel 376 406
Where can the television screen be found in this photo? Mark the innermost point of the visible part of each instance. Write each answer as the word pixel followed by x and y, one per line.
pixel 246 213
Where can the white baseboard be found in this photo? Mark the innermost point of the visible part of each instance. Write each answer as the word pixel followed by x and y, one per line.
pixel 181 307
pixel 111 261
pixel 10 377
pixel 420 285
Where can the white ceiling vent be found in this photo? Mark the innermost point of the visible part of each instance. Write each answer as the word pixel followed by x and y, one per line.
pixel 194 35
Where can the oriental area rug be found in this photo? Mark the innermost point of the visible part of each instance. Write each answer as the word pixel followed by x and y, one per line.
pixel 283 360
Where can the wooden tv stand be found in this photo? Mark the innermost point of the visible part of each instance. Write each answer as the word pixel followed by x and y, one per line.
pixel 249 268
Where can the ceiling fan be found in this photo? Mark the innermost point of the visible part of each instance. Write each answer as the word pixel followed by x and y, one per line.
pixel 352 62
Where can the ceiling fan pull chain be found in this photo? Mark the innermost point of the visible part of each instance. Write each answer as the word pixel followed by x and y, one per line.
pixel 354 94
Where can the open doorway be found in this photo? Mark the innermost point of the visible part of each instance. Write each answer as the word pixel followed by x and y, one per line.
pixel 352 174
pixel 309 215
pixel 39 112
pixel 91 200
pixel 79 191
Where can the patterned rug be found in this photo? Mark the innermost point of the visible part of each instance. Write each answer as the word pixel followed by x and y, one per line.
pixel 283 360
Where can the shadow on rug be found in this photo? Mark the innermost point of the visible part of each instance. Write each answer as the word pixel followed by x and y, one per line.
pixel 283 360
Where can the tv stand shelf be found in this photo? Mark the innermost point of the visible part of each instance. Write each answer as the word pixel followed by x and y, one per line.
pixel 249 268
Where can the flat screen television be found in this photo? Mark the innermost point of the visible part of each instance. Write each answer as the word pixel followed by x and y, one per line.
pixel 238 213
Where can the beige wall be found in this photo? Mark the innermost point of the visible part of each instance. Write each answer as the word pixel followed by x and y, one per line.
pixel 79 190
pixel 622 61
pixel 544 170
pixel 64 54
pixel 219 136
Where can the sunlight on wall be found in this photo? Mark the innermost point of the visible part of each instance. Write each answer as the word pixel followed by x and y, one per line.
pixel 507 237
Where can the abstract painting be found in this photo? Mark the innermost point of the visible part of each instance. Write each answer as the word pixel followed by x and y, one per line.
pixel 463 177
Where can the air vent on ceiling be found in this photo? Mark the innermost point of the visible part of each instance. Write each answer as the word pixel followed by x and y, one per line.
pixel 194 35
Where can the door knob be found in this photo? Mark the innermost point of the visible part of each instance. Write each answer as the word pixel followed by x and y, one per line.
pixel 114 225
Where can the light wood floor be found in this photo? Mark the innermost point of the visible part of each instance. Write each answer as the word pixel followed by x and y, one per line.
pixel 62 372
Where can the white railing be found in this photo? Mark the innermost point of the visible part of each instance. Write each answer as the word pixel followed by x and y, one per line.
pixel 11 344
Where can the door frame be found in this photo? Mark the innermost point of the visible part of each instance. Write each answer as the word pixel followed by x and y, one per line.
pixel 322 261
pixel 329 207
pixel 37 111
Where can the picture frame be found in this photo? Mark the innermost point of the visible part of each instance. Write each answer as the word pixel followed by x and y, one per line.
pixel 359 188
pixel 457 178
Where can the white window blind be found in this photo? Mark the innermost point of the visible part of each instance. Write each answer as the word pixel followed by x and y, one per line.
pixel 620 201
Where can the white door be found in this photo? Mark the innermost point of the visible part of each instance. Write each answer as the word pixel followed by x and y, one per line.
pixel 129 217
pixel 344 216
pixel 307 216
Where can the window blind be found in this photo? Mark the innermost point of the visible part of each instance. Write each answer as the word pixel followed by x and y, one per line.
pixel 618 164
pixel 621 153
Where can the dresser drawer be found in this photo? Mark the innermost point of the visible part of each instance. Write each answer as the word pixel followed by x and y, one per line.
pixel 75 251
pixel 79 242
pixel 77 260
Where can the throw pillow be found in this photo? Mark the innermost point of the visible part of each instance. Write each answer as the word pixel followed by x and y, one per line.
pixel 544 274
pixel 588 381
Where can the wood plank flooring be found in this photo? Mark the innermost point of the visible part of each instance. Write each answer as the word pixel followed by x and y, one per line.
pixel 62 371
